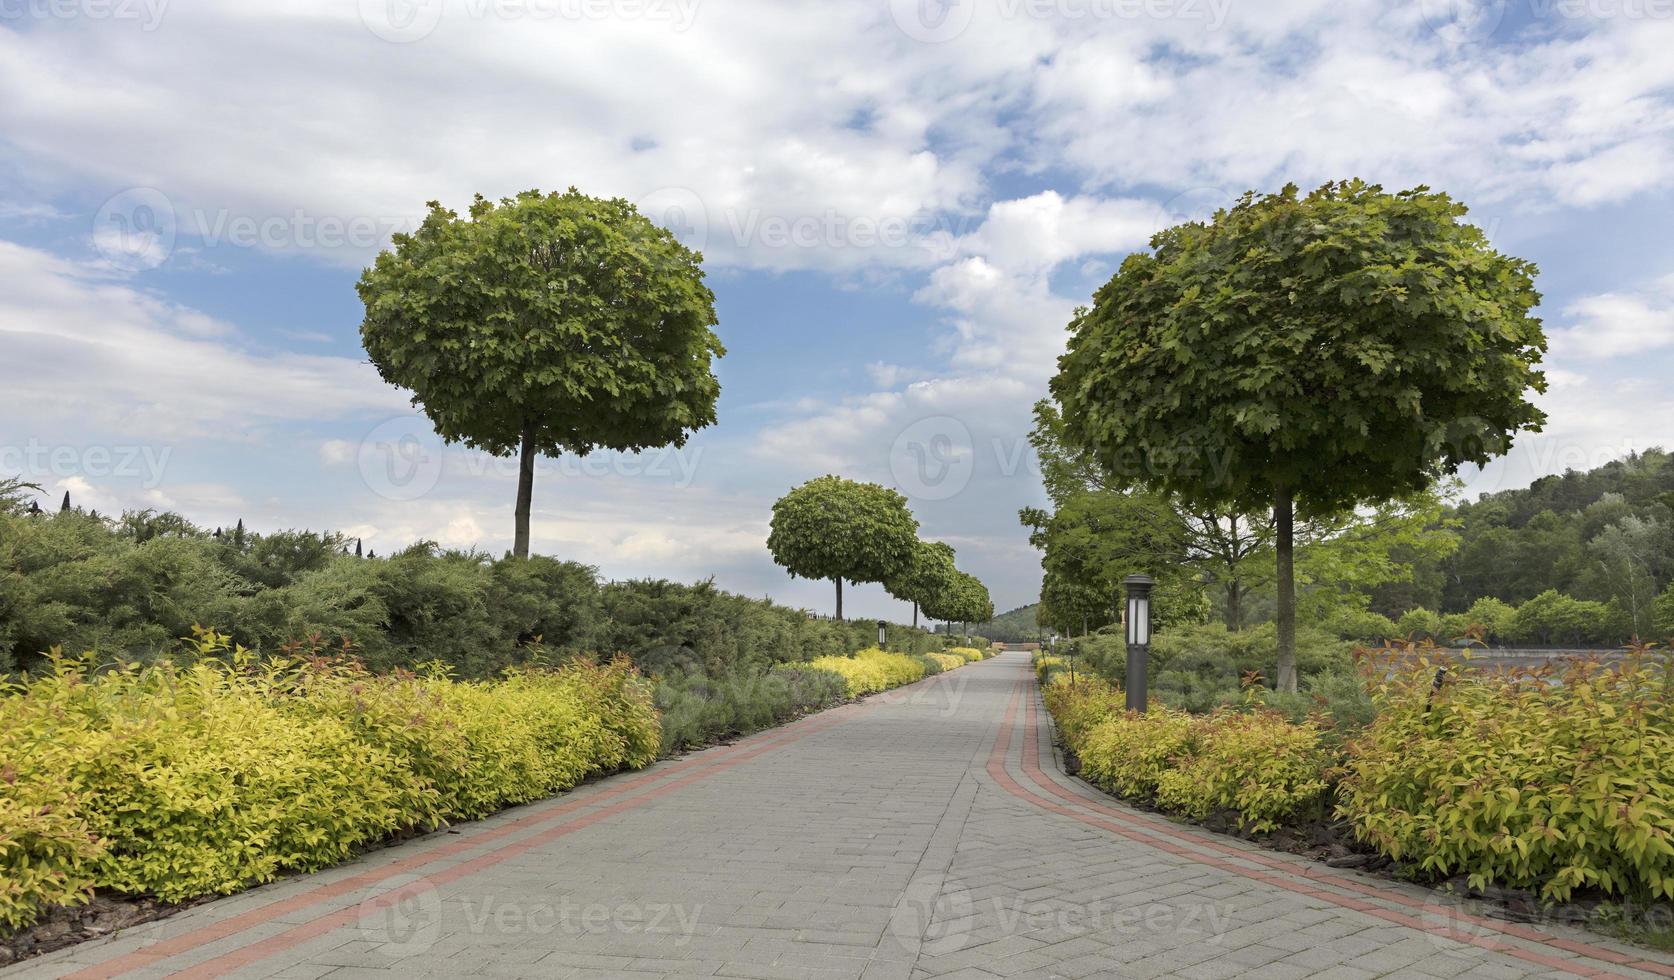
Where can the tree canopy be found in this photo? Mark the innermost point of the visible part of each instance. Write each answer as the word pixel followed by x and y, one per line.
pixel 1345 347
pixel 545 323
pixel 840 529
pixel 930 573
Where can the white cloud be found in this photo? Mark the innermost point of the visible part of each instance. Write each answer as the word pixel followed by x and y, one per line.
pixel 1610 325
pixel 127 361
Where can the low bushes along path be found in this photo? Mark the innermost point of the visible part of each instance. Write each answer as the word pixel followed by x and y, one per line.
pixel 922 833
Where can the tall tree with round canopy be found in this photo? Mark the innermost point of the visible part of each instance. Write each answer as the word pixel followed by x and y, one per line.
pixel 930 572
pixel 839 529
pixel 542 324
pixel 1324 351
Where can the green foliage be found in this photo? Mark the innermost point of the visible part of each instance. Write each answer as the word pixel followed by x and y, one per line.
pixel 1017 626
pixel 183 780
pixel 67 579
pixel 1345 347
pixel 1554 619
pixel 545 323
pixel 1212 650
pixel 965 601
pixel 1554 779
pixel 1352 623
pixel 698 709
pixel 1602 534
pixel 832 528
pixel 1665 613
pixel 929 574
pixel 1351 345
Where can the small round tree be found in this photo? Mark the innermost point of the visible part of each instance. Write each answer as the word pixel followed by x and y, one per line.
pixel 543 324
pixel 930 573
pixel 1345 347
pixel 965 600
pixel 839 529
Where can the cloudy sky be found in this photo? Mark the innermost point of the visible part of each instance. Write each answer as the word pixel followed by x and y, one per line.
pixel 899 201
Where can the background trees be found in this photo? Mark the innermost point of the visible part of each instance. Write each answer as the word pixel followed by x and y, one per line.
pixel 929 574
pixel 839 529
pixel 1325 351
pixel 543 324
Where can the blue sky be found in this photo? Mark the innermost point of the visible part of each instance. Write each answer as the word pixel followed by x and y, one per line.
pixel 899 203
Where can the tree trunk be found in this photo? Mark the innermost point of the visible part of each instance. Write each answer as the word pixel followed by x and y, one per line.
pixel 915 615
pixel 1284 528
pixel 525 493
pixel 839 581
pixel 1234 607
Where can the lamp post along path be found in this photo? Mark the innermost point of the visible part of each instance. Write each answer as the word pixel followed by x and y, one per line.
pixel 1137 621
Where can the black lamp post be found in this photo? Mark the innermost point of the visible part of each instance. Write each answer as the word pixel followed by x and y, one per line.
pixel 1138 623
pixel 883 633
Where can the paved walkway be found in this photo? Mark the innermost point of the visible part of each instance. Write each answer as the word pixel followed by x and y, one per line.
pixel 925 833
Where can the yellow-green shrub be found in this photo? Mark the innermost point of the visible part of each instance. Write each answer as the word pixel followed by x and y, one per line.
pixel 1046 664
pixel 870 671
pixel 947 661
pixel 186 780
pixel 1552 779
pixel 968 654
pixel 1128 754
pixel 1079 707
pixel 1256 763
pixel 46 852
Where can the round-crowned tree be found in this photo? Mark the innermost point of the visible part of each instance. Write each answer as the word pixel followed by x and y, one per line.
pixel 840 529
pixel 964 600
pixel 1321 351
pixel 930 573
pixel 542 324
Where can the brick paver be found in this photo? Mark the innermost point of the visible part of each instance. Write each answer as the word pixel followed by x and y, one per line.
pixel 924 833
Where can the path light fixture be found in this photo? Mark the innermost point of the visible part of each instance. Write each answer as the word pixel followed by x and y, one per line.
pixel 883 633
pixel 1138 623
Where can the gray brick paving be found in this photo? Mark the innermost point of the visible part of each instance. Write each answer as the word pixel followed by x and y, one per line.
pixel 875 846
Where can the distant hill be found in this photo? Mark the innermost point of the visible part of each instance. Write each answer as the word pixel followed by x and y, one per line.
pixel 1017 626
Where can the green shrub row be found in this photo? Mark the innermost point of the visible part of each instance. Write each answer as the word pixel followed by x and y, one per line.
pixel 133 587
pixel 183 780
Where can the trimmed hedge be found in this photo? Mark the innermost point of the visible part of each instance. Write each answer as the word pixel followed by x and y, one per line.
pixel 209 776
